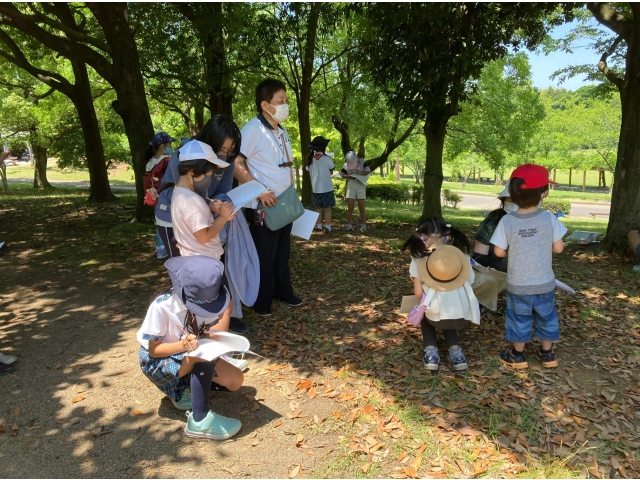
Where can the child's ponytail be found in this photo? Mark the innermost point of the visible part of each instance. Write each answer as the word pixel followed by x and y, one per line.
pixel 416 245
pixel 310 158
pixel 459 239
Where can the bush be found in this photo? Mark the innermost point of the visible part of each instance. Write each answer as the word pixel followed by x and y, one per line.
pixel 554 204
pixel 378 188
pixel 451 198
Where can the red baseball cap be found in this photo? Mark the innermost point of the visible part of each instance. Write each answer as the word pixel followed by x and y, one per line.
pixel 534 176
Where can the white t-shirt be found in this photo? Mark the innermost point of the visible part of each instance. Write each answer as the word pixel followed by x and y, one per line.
pixel 165 317
pixel 320 172
pixel 458 303
pixel 190 213
pixel 264 149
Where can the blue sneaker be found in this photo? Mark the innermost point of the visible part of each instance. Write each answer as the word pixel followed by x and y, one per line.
pixel 212 427
pixel 431 359
pixel 185 401
pixel 457 358
pixel 548 359
pixel 514 361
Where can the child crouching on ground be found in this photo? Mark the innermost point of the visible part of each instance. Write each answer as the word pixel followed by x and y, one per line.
pixel 442 276
pixel 171 329
pixel 530 236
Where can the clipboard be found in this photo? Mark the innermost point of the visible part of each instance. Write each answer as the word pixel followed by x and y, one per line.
pixel 408 302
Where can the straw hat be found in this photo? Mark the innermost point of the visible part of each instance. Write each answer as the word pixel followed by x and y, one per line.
pixel 446 269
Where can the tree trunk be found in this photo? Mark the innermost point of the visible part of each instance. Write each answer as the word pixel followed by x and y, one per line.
pixel 570 172
pixel 40 171
pixel 3 174
pixel 361 151
pixel 199 118
pixel 625 201
pixel 304 96
pixel 342 127
pixel 131 103
pixel 99 188
pixel 433 175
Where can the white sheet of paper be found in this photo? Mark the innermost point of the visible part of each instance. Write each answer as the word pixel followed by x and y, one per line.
pixel 362 178
pixel 210 349
pixel 303 226
pixel 565 287
pixel 243 194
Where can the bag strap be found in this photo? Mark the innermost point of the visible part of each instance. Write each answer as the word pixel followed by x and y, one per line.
pixel 286 152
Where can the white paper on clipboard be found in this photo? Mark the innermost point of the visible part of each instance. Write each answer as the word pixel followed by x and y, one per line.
pixel 243 194
pixel 303 226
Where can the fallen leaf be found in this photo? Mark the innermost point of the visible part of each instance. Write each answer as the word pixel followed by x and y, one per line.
pixel 58 366
pixel 417 463
pixel 16 411
pixel 277 367
pixel 294 471
pixel 255 442
pixel 14 429
pixel 410 472
pixel 469 432
pixel 139 413
pixel 402 455
pixel 2 429
pixel 77 399
pixel 299 440
pixel 365 467
pixel 304 385
pixel 277 424
pixel 312 392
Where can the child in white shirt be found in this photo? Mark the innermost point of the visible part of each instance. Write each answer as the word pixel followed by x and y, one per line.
pixel 442 276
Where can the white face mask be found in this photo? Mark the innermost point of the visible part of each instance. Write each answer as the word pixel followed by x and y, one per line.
pixel 510 207
pixel 282 112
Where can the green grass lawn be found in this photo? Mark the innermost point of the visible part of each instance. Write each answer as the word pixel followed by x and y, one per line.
pixel 120 175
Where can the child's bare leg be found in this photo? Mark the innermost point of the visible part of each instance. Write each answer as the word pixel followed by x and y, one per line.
pixel 327 216
pixel 225 318
pixel 319 221
pixel 546 344
pixel 350 204
pixel 519 346
pixel 228 376
pixel 363 214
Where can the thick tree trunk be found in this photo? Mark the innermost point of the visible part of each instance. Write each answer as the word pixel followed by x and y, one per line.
pixel 305 139
pixel 433 175
pixel 99 188
pixel 625 201
pixel 40 170
pixel 131 103
pixel 199 117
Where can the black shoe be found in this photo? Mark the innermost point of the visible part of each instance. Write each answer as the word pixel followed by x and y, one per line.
pixel 6 368
pixel 294 301
pixel 237 326
pixel 263 313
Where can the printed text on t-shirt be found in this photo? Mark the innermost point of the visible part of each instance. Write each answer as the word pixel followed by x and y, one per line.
pixel 527 232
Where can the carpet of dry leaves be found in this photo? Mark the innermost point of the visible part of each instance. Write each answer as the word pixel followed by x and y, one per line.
pixel 342 392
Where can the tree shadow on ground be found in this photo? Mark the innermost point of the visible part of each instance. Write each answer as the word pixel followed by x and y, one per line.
pixel 345 368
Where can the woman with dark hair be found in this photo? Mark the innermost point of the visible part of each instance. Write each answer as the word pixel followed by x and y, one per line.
pixel 223 135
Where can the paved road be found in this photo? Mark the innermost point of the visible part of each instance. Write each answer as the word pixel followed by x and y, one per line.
pixel 578 208
pixel 469 200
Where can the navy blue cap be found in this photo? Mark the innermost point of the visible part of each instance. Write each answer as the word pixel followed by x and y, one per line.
pixel 160 138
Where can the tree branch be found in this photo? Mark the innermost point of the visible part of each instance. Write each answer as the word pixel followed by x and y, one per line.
pixel 610 18
pixel 330 61
pixel 9 15
pixel 18 58
pixel 608 73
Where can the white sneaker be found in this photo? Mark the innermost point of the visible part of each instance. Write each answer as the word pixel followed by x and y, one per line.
pixel 8 359
pixel 239 363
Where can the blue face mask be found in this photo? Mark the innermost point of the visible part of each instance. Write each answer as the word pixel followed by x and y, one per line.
pixel 168 150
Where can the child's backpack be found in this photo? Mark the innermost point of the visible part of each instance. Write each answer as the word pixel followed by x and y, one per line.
pixel 151 181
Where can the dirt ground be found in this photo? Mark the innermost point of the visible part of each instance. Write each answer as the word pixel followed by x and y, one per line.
pixel 343 392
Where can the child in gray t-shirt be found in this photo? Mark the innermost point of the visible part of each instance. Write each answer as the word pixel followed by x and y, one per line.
pixel 531 236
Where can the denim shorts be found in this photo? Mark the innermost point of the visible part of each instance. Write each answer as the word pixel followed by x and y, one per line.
pixel 526 311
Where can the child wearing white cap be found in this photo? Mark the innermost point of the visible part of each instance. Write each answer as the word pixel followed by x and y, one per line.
pixel 195 229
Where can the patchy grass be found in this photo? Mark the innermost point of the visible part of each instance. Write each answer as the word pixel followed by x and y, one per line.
pixel 119 174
